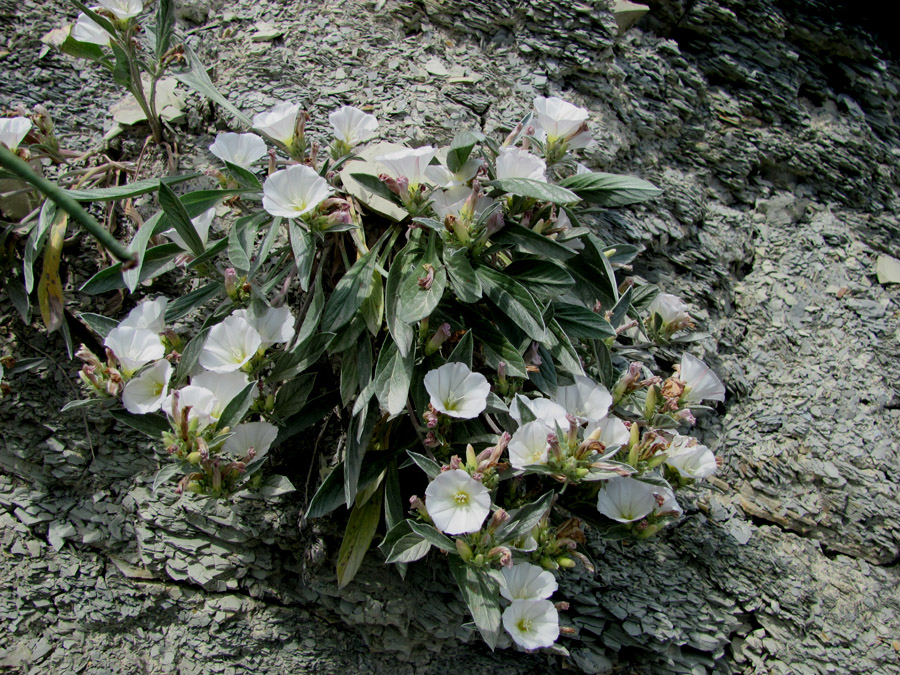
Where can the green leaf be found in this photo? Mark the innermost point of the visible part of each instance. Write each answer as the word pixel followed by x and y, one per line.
pixel 593 268
pixel 620 310
pixel 237 407
pixel 156 261
pixel 313 412
pixel 393 374
pixel 347 336
pixel 152 424
pixel 622 254
pixel 17 295
pixel 462 353
pixel 463 280
pixel 132 277
pixel 135 189
pixel 359 434
pixel 196 78
pixel 497 348
pixel 98 323
pixel 416 302
pixel 401 332
pixel 543 278
pixel 431 468
pixel 301 357
pixel 165 26
pixel 349 383
pixel 189 357
pixel 36 239
pixel 349 293
pixel 81 50
pixel 292 395
pixel 604 366
pixel 213 249
pixel 525 518
pixel 241 239
pixel 482 597
pixel 581 323
pixel 563 351
pixel 303 246
pixel 535 189
pixel 376 185
pixel 262 255
pixel 461 148
pixel 430 534
pixel 610 190
pixel 524 240
pixel 545 377
pixel 165 474
pixel 514 300
pixel 179 218
pixel 187 303
pixel 372 308
pixel 361 526
pixel 313 312
pixel 402 545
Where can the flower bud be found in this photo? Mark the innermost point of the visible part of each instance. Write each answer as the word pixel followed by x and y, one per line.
pixel 565 562
pixel 464 550
pixel 231 283
pixel 194 457
pixel 439 337
pixel 471 460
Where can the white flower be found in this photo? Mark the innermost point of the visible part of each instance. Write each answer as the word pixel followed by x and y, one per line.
pixel 13 130
pixel 408 163
pixel 148 315
pixel 146 393
pixel 669 308
pixel 701 383
pixel 123 9
pixel 451 202
pixel 457 503
pixel 257 436
pixel 274 327
pixel 279 122
pixel 88 30
pixel 585 399
pixel 532 623
pixel 559 119
pixel 230 345
pixel 626 499
pixel 612 431
pixel 457 391
pixel 443 177
pixel 689 458
pixel 134 347
pixel 200 400
pixel 527 582
pixel 291 192
pixel 669 504
pixel 352 126
pixel 528 445
pixel 201 226
pixel 239 149
pixel 224 387
pixel 544 410
pixel 518 163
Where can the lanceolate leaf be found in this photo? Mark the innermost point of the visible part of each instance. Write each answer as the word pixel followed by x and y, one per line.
pixel 152 424
pixel 361 526
pixel 480 592
pixel 463 351
pixel 525 519
pixel 135 189
pixel 611 190
pixel 179 218
pixel 462 276
pixel 431 468
pixel 304 247
pixel 359 434
pixel 237 407
pixel 580 322
pixel 188 303
pixel 417 301
pixel 513 300
pixel 349 293
pixel 529 241
pixel 545 192
pixel 50 294
pixel 432 536
pixel 402 545
pixel 393 375
pixel 138 246
pixel 156 261
pixel 165 26
pixel 401 331
pixel 189 357
pixel 196 78
pixel 461 148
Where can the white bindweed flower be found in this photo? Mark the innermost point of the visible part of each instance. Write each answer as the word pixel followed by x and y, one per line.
pixel 527 582
pixel 666 502
pixel 239 149
pixel 612 431
pixel 88 30
pixel 669 308
pixel 13 130
pixel 544 410
pixel 201 226
pixel 689 458
pixel 274 327
pixel 291 192
pixel 532 623
pixel 559 119
pixel 451 202
pixel 443 177
pixel 200 400
pixel 352 126
pixel 134 347
pixel 457 503
pixel 701 383
pixel 456 391
pixel 626 499
pixel 410 164
pixel 279 122
pixel 148 315
pixel 224 386
pixel 528 445
pixel 518 163
pixel 146 393
pixel 123 9
pixel 257 436
pixel 230 345
pixel 585 399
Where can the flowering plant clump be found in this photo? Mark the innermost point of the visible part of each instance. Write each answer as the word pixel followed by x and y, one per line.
pixel 479 343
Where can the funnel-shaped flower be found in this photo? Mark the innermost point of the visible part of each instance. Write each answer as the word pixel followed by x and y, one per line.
pixel 201 402
pixel 146 393
pixel 585 399
pixel 13 130
pixel 133 347
pixel 352 126
pixel 275 325
pixel 123 9
pixel 559 119
pixel 279 122
pixel 544 410
pixel 689 458
pixel 669 308
pixel 612 431
pixel 528 445
pixel 230 345
pixel 532 623
pixel 88 30
pixel 256 436
pixel 457 503
pixel 527 582
pixel 201 226
pixel 291 192
pixel 626 499
pixel 445 178
pixel 701 383
pixel 239 149
pixel 457 391
pixel 517 163
pixel 410 164
pixel 224 386
pixel 148 315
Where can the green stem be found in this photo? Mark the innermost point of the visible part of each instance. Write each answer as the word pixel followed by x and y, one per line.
pixel 137 89
pixel 15 165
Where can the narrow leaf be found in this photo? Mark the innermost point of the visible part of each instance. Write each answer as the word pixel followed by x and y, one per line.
pixel 237 407
pixel 610 190
pixel 481 594
pixel 393 374
pixel 526 187
pixel 358 536
pixel 179 218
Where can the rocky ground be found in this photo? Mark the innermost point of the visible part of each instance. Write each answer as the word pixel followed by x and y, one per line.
pixel 773 129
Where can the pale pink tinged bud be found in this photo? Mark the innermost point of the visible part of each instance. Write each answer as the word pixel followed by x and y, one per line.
pixel 335 202
pixel 231 282
pixel 553 442
pixel 426 281
pixel 535 356
pixel 314 153
pixel 337 218
pixel 391 184
pixel 455 463
pixel 502 554
pixel 498 519
pixel 686 416
pixel 501 371
pixel 561 606
pixel 513 135
pixel 573 429
pixel 495 222
pixel 431 440
pixel 273 167
pixel 440 336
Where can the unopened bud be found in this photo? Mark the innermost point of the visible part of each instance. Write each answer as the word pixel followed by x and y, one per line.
pixel 565 562
pixel 464 550
pixel 231 283
pixel 439 337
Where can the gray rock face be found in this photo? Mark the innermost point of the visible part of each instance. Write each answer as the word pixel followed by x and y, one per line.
pixel 772 128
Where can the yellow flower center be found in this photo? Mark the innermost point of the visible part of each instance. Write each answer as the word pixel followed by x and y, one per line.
pixel 525 624
pixel 461 498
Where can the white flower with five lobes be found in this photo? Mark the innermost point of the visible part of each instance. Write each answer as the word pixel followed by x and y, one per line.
pixel 224 387
pixel 450 202
pixel 148 315
pixel 669 308
pixel 456 391
pixel 146 392
pixel 559 119
pixel 230 345
pixel 201 226
pixel 13 130
pixel 527 582
pixel 585 399
pixel 443 177
pixel 627 499
pixel 528 445
pixel 88 30
pixel 689 458
pixel 275 326
pixel 544 410
pixel 123 9
pixel 701 383
pixel 200 400
pixel 611 431
pixel 410 164
pixel 279 123
pixel 257 436
pixel 352 126
pixel 239 149
pixel 133 347
pixel 291 192
pixel 457 503
pixel 532 623
pixel 518 163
